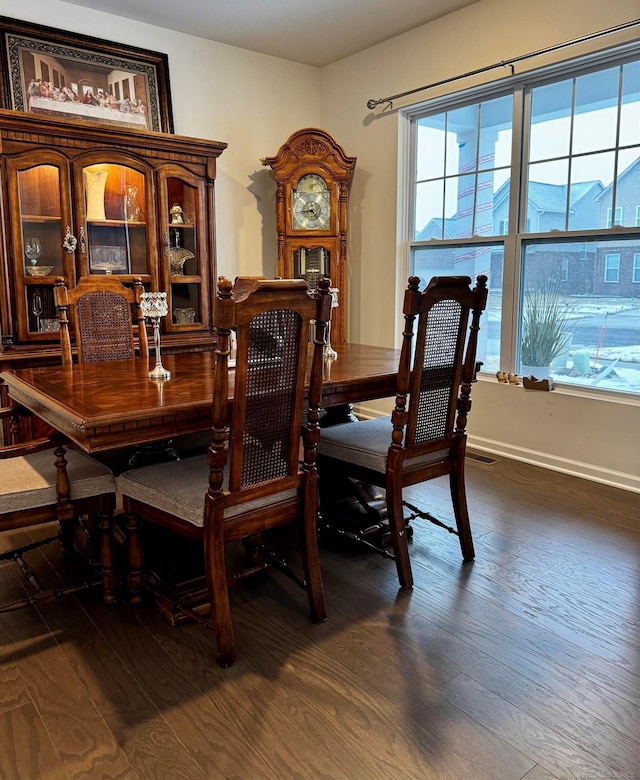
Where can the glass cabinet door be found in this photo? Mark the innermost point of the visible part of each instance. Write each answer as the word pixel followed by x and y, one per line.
pixel 115 226
pixel 185 250
pixel 42 233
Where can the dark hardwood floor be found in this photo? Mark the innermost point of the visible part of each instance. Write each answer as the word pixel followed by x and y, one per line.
pixel 524 664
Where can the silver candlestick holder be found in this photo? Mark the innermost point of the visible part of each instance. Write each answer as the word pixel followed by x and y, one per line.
pixel 153 306
pixel 329 351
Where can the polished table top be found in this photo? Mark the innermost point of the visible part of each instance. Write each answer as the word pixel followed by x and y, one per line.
pixel 104 406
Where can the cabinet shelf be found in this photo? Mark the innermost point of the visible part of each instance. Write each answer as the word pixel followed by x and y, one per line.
pixel 184 279
pixel 115 223
pixel 41 280
pixel 38 219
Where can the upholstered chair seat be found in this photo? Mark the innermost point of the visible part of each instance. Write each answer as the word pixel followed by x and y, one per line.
pixel 178 488
pixel 368 445
pixel 29 481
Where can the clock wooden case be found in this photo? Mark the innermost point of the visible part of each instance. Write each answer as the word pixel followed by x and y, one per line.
pixel 313 173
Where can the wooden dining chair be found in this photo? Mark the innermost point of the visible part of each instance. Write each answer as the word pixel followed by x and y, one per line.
pixel 425 435
pixel 103 315
pixel 41 482
pixel 259 473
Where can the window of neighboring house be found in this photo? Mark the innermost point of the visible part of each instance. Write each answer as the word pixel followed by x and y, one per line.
pixel 612 268
pixel 618 217
pixel 636 268
pixel 524 181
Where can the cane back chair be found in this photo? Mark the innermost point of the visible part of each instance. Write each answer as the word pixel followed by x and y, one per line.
pixel 251 479
pixel 425 436
pixel 102 319
pixel 41 480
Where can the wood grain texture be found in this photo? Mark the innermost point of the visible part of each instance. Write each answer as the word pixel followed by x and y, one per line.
pixel 85 744
pixel 524 665
pixel 27 751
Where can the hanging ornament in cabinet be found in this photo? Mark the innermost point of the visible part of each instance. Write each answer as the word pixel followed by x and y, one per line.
pixel 69 242
pixel 178 256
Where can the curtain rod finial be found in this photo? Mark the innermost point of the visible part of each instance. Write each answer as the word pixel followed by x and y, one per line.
pixel 371 104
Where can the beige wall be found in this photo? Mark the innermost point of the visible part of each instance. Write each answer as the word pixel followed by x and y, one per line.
pixel 255 102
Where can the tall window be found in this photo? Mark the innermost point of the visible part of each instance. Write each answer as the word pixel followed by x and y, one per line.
pixel 636 268
pixel 612 268
pixel 614 220
pixel 536 185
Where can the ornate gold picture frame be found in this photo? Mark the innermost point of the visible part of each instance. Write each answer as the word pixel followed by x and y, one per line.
pixel 52 72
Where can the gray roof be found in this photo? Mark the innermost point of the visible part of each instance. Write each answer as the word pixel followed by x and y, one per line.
pixel 626 171
pixel 553 197
pixel 433 228
pixel 544 197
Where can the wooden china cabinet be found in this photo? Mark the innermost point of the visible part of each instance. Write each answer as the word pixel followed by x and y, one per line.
pixel 83 198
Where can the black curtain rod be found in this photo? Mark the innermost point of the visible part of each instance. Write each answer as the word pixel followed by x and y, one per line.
pixel 504 63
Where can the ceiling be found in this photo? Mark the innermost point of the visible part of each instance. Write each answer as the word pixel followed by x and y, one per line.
pixel 313 32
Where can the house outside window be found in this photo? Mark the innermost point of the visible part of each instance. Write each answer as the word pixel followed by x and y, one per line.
pixel 612 268
pixel 618 217
pixel 536 185
pixel 636 268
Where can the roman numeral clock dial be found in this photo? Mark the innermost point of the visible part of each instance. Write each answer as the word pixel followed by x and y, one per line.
pixel 311 204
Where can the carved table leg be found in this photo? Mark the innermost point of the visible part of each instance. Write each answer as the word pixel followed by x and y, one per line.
pixel 135 573
pixel 109 579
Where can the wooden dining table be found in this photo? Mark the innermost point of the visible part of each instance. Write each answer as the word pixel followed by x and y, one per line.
pixel 111 405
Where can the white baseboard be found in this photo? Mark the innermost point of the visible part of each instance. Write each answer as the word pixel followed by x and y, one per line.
pixel 581 469
pixel 545 460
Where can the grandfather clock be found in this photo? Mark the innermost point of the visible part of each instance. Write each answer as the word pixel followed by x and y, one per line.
pixel 312 172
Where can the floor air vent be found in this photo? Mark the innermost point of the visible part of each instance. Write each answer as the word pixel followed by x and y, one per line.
pixel 481 458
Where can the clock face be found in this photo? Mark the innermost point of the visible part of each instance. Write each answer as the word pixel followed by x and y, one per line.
pixel 311 204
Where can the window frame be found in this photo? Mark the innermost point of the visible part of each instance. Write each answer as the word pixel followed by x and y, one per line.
pixel 520 86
